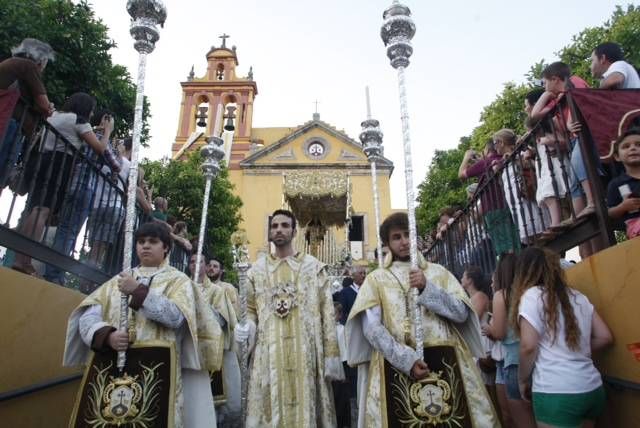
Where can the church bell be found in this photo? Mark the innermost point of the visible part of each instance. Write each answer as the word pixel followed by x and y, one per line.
pixel 229 126
pixel 202 116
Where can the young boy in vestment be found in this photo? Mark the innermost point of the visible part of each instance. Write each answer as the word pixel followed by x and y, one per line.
pixel 166 317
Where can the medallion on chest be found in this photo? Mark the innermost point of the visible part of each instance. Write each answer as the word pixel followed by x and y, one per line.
pixel 283 299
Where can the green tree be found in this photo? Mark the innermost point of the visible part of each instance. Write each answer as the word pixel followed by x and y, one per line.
pixel 441 188
pixel 623 28
pixel 505 112
pixel 82 46
pixel 182 183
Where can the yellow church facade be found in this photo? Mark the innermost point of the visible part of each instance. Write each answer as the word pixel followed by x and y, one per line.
pixel 313 169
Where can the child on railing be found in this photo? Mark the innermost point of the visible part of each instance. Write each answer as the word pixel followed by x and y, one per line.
pixel 551 163
pixel 557 80
pixel 623 194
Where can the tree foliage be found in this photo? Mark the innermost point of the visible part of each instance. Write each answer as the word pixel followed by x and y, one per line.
pixel 182 183
pixel 623 28
pixel 83 62
pixel 441 186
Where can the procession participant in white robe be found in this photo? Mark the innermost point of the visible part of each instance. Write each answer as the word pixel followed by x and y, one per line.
pixel 398 387
pixel 215 272
pixel 165 309
pixel 292 335
pixel 219 298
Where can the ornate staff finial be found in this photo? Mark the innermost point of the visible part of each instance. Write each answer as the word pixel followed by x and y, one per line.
pixel 212 153
pixel 396 32
pixel 145 16
pixel 371 139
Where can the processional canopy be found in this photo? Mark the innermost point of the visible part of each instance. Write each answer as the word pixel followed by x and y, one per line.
pixel 318 196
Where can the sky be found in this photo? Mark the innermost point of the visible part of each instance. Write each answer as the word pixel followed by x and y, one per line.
pixel 307 50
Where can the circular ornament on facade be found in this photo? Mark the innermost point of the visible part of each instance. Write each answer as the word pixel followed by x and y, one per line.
pixel 316 148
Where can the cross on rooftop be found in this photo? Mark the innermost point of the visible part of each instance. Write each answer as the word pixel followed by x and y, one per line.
pixel 224 38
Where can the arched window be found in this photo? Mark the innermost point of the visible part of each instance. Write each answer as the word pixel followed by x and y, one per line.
pixel 220 72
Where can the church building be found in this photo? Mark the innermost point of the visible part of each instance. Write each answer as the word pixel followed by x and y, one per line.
pixel 314 169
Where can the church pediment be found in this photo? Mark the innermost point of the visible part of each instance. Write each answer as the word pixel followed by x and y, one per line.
pixel 312 144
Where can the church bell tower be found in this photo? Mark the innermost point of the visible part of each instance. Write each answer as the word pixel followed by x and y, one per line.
pixel 219 95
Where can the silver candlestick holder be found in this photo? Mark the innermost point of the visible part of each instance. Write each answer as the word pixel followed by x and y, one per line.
pixel 371 139
pixel 397 31
pixel 212 154
pixel 146 15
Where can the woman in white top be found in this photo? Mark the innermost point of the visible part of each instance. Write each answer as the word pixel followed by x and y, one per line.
pixel 559 328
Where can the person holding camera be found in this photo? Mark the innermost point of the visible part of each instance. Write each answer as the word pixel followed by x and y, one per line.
pixel 52 201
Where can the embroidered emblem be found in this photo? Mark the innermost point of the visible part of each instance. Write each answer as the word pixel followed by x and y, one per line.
pixel 431 395
pixel 121 398
pixel 432 401
pixel 284 299
pixel 124 400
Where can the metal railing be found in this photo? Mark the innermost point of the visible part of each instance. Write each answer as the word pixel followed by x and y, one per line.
pixel 72 203
pixel 525 198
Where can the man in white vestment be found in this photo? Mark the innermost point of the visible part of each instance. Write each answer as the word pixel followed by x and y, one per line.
pixel 292 336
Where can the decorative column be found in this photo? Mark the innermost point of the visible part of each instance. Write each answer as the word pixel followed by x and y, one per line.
pixel 241 265
pixel 397 31
pixel 371 139
pixel 212 153
pixel 145 17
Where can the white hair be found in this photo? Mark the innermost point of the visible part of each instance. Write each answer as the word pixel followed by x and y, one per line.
pixel 35 50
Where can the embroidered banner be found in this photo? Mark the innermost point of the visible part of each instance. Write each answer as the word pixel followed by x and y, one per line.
pixel 439 400
pixel 143 396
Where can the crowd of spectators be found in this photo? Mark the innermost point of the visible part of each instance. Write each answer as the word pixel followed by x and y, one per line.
pixel 72 168
pixel 531 189
pixel 538 333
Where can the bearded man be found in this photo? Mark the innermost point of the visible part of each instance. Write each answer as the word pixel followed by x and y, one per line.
pixel 215 272
pixel 225 384
pixel 292 336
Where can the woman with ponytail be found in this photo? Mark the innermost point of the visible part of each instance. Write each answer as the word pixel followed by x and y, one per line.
pixel 558 329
